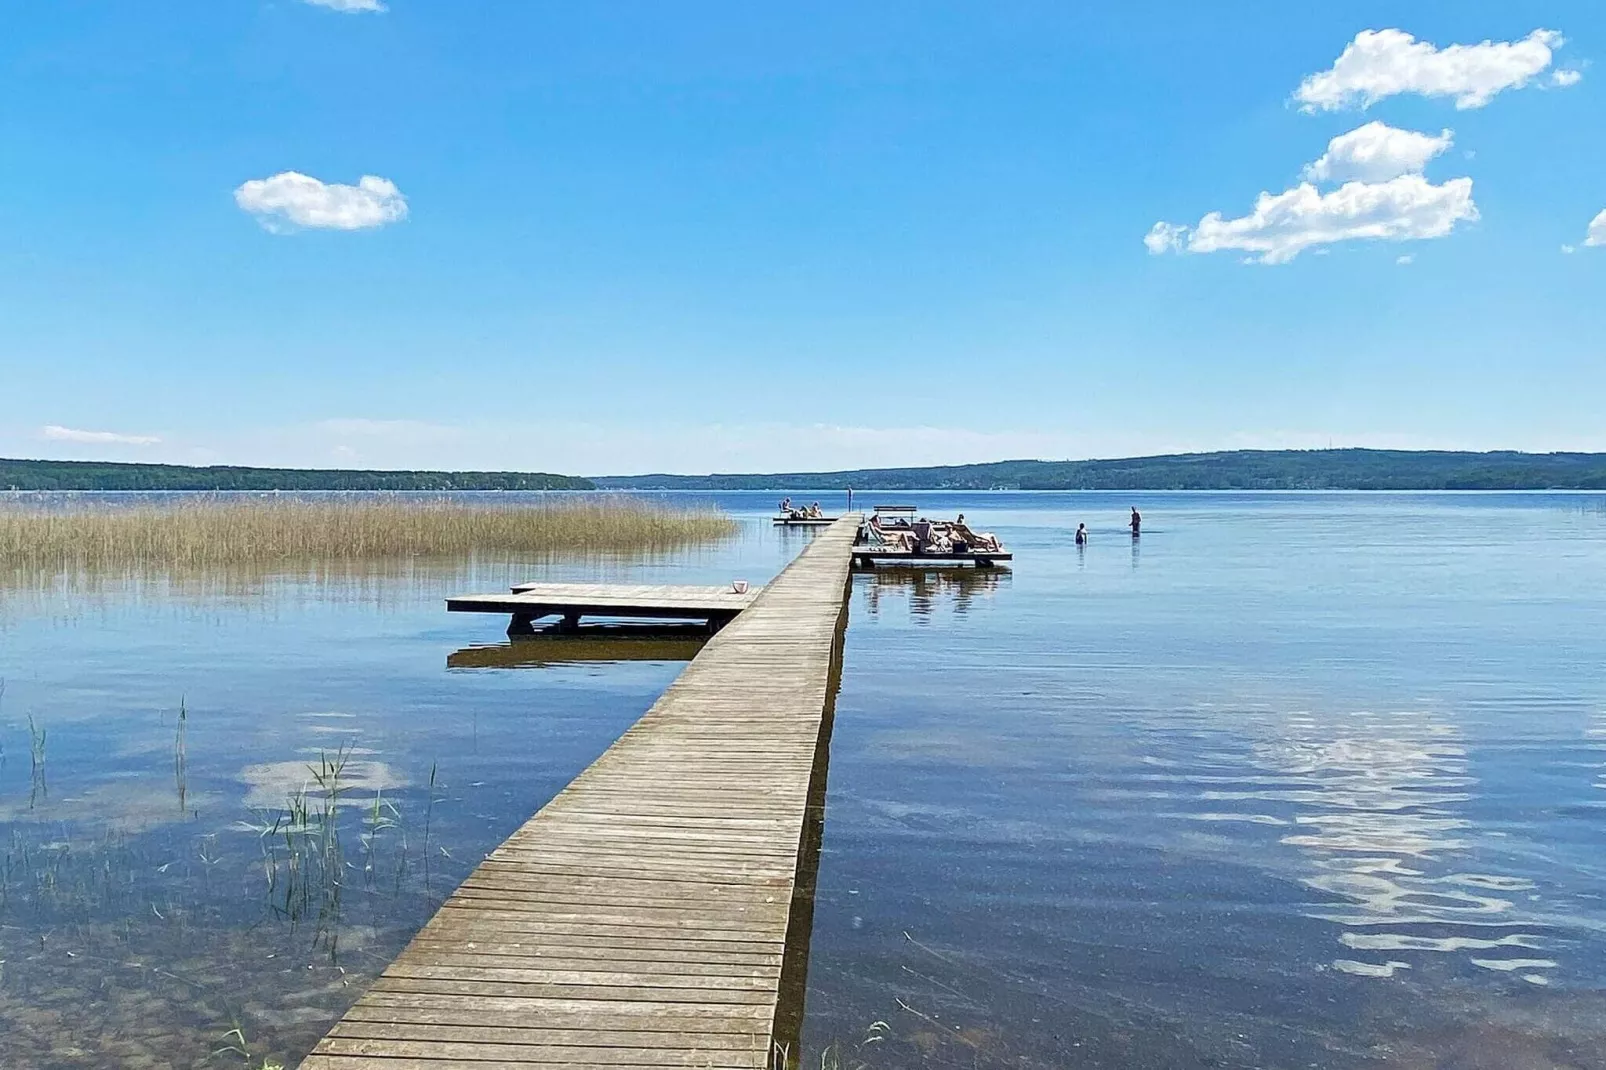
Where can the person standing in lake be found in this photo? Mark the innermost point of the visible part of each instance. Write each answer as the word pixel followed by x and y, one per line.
pixel 1081 534
pixel 1137 522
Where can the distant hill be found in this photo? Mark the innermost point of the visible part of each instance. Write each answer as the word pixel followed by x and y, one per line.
pixel 1351 469
pixel 108 475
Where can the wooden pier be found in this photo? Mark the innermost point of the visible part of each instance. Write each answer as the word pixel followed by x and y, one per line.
pixel 656 912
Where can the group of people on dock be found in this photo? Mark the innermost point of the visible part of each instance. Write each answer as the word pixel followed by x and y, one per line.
pixel 1136 524
pixel 932 536
pixel 801 512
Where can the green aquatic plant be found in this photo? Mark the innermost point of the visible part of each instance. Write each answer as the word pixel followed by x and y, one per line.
pixel 429 815
pixel 382 815
pixel 36 754
pixel 181 756
pixel 836 1055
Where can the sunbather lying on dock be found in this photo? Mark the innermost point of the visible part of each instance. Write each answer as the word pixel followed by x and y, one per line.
pixel 976 540
pixel 901 541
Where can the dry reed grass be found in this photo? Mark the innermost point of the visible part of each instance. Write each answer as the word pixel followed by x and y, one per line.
pixel 230 532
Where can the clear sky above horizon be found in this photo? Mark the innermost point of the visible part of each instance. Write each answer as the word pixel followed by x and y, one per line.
pixel 661 236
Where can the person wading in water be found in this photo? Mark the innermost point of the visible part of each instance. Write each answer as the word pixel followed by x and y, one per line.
pixel 1137 523
pixel 1081 534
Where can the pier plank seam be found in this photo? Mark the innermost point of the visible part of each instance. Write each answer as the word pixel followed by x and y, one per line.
pixel 648 914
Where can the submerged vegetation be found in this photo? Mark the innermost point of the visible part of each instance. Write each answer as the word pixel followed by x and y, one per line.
pixel 218 532
pixel 203 943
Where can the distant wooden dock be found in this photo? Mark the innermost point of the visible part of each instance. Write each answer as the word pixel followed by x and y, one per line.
pixel 804 521
pixel 651 914
pixel 529 602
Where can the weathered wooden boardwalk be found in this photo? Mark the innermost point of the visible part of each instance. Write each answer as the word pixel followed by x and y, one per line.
pixel 646 916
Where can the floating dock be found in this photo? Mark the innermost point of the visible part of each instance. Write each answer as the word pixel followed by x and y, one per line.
pixel 804 521
pixel 529 602
pixel 870 557
pixel 656 912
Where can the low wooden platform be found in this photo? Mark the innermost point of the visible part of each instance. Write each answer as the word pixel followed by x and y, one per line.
pixel 804 522
pixel 650 915
pixel 529 602
pixel 867 557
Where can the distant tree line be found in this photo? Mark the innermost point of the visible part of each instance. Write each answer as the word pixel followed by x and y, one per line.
pixel 1234 470
pixel 1349 469
pixel 109 475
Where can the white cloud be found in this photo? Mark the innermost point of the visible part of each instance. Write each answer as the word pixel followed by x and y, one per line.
pixel 306 202
pixel 1165 237
pixel 1383 63
pixel 1569 249
pixel 351 7
pixel 1597 230
pixel 1406 259
pixel 57 433
pixel 1377 152
pixel 1565 78
pixel 1283 225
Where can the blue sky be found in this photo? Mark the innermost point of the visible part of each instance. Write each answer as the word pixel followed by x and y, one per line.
pixel 624 237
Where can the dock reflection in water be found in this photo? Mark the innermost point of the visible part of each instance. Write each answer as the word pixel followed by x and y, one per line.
pixel 588 644
pixel 924 590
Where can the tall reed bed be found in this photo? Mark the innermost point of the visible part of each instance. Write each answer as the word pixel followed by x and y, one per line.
pixel 206 533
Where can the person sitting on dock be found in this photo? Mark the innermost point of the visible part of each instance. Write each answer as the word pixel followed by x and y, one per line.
pixel 786 507
pixel 814 511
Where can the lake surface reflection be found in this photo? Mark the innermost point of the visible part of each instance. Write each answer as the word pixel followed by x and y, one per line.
pixel 1301 780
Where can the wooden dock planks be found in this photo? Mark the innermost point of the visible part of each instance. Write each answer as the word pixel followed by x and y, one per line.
pixel 635 594
pixel 642 917
pixel 535 600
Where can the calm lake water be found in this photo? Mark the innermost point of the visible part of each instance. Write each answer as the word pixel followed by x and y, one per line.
pixel 1297 780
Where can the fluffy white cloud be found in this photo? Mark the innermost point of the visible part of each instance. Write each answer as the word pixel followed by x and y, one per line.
pixel 1164 237
pixel 1384 63
pixel 351 7
pixel 1566 78
pixel 306 202
pixel 1376 152
pixel 1597 230
pixel 1283 225
pixel 57 433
